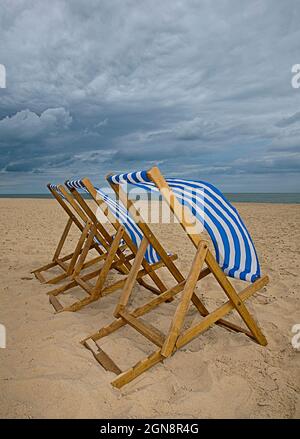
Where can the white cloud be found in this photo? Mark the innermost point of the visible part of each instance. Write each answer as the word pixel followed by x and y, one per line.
pixel 26 125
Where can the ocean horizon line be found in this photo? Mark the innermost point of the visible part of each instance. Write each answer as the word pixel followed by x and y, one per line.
pixel 239 197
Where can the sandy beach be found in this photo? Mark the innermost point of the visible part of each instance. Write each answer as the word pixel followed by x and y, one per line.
pixel 46 372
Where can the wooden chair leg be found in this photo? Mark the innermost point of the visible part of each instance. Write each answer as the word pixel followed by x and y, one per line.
pixel 57 252
pixel 56 279
pixel 221 322
pixel 182 308
pixel 55 303
pixel 157 357
pixel 72 283
pixel 220 312
pixel 156 279
pixel 149 287
pixel 88 276
pixel 40 277
pixel 85 249
pixel 138 369
pixel 38 271
pixel 63 239
pixel 131 278
pixel 76 306
pixel 102 358
pixel 234 298
pixel 108 263
pixel 78 248
pixel 95 292
pixel 141 310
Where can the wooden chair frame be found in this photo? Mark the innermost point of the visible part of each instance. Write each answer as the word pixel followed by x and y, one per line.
pixel 65 263
pixel 113 258
pixel 204 263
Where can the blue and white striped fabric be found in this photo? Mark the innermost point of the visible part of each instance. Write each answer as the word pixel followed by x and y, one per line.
pixel 123 217
pixel 55 188
pixel 235 251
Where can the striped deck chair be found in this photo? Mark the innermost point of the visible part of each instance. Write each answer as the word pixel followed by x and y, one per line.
pixel 235 257
pixel 67 262
pixel 128 236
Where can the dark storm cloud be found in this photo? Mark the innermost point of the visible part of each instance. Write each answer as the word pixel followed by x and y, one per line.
pixel 201 88
pixel 285 122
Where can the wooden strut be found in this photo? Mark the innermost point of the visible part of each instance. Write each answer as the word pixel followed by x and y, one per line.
pixel 116 224
pixel 98 290
pixel 92 232
pixel 110 289
pixel 144 309
pixel 62 239
pixel 114 258
pixel 182 308
pixel 107 239
pixel 177 210
pixel 57 260
pixel 156 357
pixel 94 292
pixel 176 337
pixel 155 175
pixel 146 231
pixel 131 278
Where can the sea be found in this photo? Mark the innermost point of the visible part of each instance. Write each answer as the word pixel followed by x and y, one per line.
pixel 274 198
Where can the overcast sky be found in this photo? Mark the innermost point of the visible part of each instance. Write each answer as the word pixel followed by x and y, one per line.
pixel 202 88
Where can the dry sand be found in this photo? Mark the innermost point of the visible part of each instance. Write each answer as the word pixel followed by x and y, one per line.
pixel 45 372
